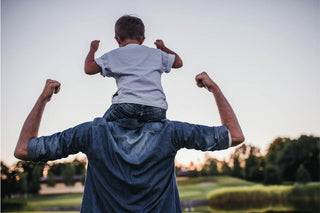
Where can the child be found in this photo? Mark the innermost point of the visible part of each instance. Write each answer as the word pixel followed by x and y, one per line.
pixel 137 70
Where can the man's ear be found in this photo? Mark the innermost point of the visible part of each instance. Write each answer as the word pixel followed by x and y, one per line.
pixel 142 40
pixel 117 39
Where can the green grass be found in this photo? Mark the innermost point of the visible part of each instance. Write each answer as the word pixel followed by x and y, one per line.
pixel 46 212
pixel 198 188
pixel 219 189
pixel 39 202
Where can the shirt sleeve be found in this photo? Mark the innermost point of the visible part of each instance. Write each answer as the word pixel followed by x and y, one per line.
pixel 105 66
pixel 167 61
pixel 60 145
pixel 201 137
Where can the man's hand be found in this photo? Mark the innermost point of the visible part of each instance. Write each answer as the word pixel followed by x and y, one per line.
pixel 94 45
pixel 159 44
pixel 203 80
pixel 51 87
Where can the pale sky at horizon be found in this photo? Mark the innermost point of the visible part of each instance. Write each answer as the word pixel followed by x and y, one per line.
pixel 265 56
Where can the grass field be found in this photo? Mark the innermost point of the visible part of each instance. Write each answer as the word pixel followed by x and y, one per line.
pixel 198 188
pixel 201 188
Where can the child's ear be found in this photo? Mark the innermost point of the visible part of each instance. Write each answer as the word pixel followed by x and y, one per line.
pixel 142 40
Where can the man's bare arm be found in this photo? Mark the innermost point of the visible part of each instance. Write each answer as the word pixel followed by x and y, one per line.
pixel 31 126
pixel 226 112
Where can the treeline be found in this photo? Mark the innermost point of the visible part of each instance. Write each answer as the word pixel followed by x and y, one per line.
pixel 286 161
pixel 25 177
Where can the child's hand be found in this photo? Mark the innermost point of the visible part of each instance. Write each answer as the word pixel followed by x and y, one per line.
pixel 159 44
pixel 94 45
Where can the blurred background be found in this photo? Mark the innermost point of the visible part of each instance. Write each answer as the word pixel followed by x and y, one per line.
pixel 263 54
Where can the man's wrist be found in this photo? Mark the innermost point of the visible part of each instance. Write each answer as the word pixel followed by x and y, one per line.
pixel 43 99
pixel 214 88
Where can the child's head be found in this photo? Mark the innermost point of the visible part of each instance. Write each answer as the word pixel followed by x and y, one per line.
pixel 129 27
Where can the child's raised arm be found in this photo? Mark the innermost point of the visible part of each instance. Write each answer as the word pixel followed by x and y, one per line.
pixel 90 66
pixel 177 61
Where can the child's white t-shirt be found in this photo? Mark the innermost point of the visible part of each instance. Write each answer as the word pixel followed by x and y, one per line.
pixel 137 70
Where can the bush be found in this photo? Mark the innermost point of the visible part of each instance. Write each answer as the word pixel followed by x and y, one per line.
pixel 68 173
pixel 300 196
pixel 302 175
pixel 272 175
pixel 257 193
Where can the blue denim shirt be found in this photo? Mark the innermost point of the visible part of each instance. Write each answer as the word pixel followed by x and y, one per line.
pixel 130 164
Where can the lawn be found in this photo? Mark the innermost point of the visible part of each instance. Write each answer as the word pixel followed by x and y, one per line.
pixel 189 188
pixel 198 188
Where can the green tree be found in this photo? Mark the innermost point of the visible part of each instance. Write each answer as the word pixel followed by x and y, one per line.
pixel 83 178
pixel 33 173
pixel 57 168
pixel 210 168
pixel 34 184
pixel 302 175
pixel 79 166
pixel 226 170
pixel 24 184
pixel 50 179
pixel 5 179
pixel 304 150
pixel 68 173
pixel 213 168
pixel 272 175
pixel 193 173
pixel 237 170
pixel 275 148
pixel 10 181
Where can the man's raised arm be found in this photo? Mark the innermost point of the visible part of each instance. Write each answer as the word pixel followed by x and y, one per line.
pixel 31 125
pixel 228 117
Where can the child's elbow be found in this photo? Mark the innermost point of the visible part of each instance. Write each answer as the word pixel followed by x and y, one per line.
pixel 177 64
pixel 86 71
pixel 89 71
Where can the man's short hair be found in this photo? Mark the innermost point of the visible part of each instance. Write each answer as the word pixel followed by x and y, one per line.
pixel 129 27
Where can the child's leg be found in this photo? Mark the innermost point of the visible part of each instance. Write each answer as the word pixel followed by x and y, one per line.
pixel 152 114
pixel 124 110
pixel 142 112
pixel 111 114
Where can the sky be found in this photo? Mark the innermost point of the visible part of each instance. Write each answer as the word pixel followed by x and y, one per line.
pixel 264 55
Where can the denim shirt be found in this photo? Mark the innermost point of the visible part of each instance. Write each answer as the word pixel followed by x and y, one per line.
pixel 130 164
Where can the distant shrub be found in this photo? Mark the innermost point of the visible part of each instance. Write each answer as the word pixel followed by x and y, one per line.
pixel 272 175
pixel 259 193
pixel 249 194
pixel 302 176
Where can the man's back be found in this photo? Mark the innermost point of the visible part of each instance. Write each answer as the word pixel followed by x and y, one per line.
pixel 130 170
pixel 131 164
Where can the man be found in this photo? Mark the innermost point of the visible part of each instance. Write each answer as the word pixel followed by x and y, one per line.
pixel 131 164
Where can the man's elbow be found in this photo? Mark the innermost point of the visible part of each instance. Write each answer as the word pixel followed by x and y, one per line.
pixel 21 154
pixel 17 154
pixel 237 140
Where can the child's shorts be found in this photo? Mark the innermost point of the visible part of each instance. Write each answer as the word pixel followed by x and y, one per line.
pixel 143 113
